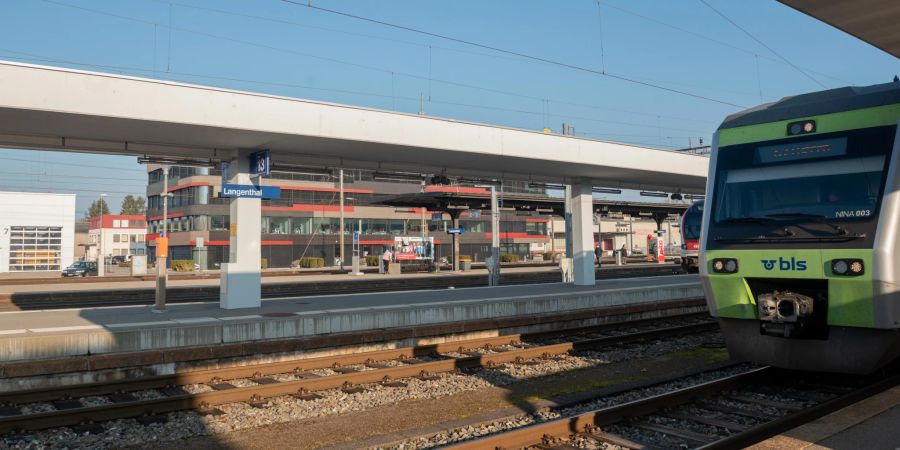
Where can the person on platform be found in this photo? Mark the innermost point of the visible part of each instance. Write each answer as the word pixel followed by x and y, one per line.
pixel 386 259
pixel 624 253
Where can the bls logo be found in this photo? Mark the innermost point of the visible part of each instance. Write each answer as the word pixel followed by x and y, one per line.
pixel 784 264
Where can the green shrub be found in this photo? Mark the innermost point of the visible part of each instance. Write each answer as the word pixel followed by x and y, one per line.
pixel 372 260
pixel 509 258
pixel 264 263
pixel 124 264
pixel 310 263
pixel 550 256
pixel 183 265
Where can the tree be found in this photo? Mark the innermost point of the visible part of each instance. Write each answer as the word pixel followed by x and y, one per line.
pixel 133 206
pixel 96 206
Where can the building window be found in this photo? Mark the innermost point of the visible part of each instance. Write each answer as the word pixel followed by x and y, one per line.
pixel 279 225
pixel 35 248
pixel 219 223
pixel 302 225
pixel 116 238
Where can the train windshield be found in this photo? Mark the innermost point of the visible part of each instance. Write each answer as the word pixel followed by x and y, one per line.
pixel 693 217
pixel 826 178
pixel 836 189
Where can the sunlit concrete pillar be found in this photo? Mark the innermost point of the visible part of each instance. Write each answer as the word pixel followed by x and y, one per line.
pixel 581 201
pixel 241 280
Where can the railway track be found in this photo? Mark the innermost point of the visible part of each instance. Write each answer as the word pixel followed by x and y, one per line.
pixel 122 297
pixel 84 407
pixel 731 412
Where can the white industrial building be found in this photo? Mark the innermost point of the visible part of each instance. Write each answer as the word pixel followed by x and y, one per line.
pixel 37 231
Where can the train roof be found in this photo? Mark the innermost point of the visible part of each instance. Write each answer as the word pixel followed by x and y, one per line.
pixel 817 103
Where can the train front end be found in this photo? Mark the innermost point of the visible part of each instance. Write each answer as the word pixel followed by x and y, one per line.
pixel 800 231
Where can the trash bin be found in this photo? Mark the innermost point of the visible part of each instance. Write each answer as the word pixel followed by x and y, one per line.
pixel 466 266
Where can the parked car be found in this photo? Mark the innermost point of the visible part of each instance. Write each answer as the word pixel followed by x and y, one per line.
pixel 117 259
pixel 80 269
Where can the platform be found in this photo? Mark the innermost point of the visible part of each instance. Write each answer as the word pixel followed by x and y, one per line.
pixel 870 424
pixel 32 335
pixel 17 284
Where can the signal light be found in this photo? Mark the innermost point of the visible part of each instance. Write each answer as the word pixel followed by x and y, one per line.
pixel 848 267
pixel 724 265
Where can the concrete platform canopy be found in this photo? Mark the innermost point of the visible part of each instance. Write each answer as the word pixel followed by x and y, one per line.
pixel 63 109
pixel 873 21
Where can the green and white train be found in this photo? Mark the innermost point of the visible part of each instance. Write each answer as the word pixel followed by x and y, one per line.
pixel 800 253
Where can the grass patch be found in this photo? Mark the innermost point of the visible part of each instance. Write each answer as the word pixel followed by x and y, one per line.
pixel 571 387
pixel 707 354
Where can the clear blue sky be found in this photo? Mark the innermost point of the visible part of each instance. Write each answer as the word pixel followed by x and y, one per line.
pixel 296 51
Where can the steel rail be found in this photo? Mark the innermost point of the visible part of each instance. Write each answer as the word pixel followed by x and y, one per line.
pixel 125 409
pixel 549 434
pixel 589 421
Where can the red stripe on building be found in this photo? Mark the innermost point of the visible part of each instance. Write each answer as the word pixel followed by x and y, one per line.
pixel 277 242
pixel 327 189
pixel 187 185
pixel 309 208
pixel 171 216
pixel 534 219
pixel 517 235
pixel 376 242
pixel 365 242
pixel 109 221
pixel 211 243
pixel 151 237
pixel 457 189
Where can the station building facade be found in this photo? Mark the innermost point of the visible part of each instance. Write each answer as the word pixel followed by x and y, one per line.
pixel 37 231
pixel 304 222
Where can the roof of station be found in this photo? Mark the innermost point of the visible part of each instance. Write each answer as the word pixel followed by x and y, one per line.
pixel 54 108
pixel 873 21
pixel 527 203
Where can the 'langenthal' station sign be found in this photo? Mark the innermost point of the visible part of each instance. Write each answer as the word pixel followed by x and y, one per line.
pixel 250 191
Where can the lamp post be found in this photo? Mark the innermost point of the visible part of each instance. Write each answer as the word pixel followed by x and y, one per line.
pixel 101 260
pixel 341 227
pixel 162 274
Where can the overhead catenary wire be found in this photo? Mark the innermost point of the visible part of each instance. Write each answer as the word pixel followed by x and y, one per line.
pixel 760 42
pixel 430 47
pixel 386 71
pixel 71 164
pixel 710 39
pixel 516 53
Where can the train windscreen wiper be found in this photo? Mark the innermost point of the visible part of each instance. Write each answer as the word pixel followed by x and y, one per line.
pixel 792 239
pixel 799 215
pixel 748 219
pixel 818 218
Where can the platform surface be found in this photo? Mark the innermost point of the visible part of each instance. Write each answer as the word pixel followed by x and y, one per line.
pixel 78 319
pixel 92 283
pixel 871 424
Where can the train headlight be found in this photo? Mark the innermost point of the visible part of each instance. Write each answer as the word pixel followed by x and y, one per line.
pixel 801 127
pixel 848 267
pixel 724 265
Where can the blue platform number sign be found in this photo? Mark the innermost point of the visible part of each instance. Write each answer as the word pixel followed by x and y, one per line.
pixel 260 163
pixel 226 175
pixel 459 230
pixel 356 238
